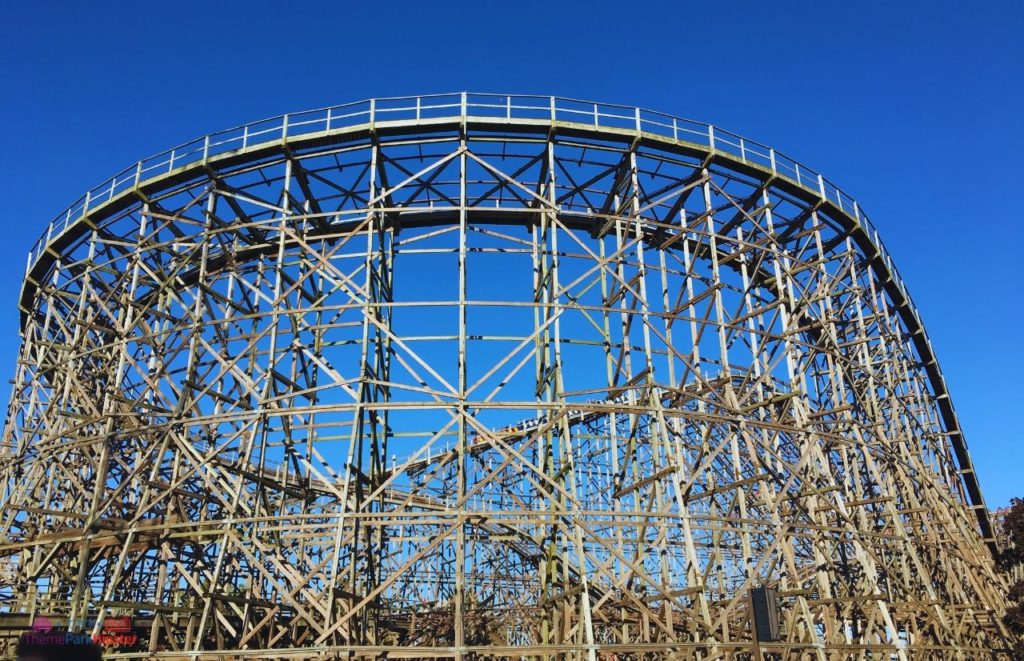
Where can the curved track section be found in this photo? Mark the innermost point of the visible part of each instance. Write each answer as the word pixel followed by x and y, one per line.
pixel 484 375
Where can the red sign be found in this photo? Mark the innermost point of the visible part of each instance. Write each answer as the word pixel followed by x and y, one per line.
pixel 117 624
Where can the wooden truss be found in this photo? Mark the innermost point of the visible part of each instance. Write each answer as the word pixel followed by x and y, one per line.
pixel 462 388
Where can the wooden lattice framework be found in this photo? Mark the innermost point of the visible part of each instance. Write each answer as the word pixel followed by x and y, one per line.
pixel 475 375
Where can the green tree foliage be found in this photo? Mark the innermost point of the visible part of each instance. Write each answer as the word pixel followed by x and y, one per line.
pixel 1010 557
pixel 1013 533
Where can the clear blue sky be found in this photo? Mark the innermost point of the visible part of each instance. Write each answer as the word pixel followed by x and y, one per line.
pixel 915 108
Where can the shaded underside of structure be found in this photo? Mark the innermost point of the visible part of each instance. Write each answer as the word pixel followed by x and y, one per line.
pixel 490 376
